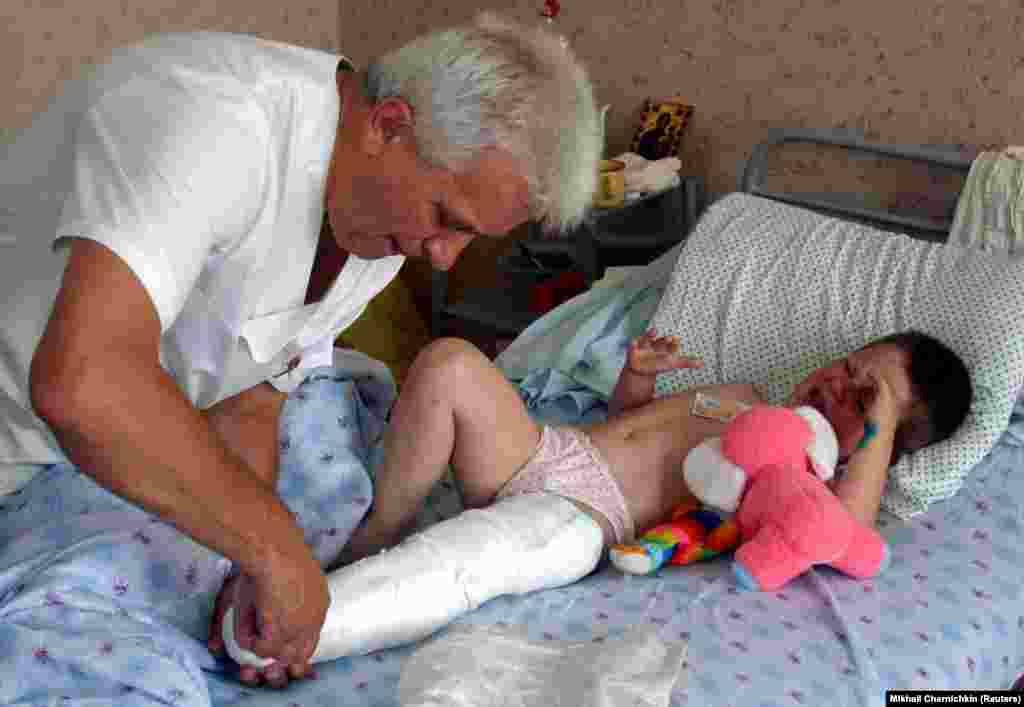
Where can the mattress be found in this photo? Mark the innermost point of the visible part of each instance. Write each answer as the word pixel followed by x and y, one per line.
pixel 947 613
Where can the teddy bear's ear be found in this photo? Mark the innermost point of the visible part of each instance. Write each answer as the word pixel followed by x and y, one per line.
pixel 712 478
pixel 823 449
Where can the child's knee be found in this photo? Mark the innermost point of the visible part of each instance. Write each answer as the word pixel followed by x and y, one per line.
pixel 446 355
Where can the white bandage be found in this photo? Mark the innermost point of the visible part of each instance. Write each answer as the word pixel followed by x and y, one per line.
pixel 237 653
pixel 519 544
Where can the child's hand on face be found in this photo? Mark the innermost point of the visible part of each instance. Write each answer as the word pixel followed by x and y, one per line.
pixel 881 411
pixel 882 408
pixel 650 354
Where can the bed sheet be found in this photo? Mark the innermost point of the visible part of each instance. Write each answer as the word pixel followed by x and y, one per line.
pixel 947 614
pixel 102 603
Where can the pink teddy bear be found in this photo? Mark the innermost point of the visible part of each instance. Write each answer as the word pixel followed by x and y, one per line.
pixel 772 463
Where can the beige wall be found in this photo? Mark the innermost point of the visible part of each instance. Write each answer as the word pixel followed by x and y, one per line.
pixel 924 71
pixel 902 71
pixel 907 71
pixel 910 71
pixel 43 42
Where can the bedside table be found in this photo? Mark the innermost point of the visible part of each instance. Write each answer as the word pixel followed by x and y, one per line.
pixel 633 234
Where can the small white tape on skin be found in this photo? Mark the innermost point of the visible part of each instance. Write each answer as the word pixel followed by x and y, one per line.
pixel 237 653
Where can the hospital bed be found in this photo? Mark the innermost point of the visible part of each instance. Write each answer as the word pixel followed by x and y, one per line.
pixel 946 614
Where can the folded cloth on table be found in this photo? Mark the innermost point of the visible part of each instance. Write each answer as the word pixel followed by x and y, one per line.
pixel 614 276
pixel 644 175
pixel 484 666
pixel 990 210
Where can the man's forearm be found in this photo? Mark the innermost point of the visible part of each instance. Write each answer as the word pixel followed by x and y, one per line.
pixel 631 390
pixel 248 424
pixel 138 436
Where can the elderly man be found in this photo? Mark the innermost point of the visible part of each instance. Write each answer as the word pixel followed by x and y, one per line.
pixel 169 276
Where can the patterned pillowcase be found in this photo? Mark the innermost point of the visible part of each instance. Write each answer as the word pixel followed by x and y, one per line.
pixel 767 292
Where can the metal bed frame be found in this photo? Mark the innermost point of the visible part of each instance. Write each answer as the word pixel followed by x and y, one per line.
pixel 752 178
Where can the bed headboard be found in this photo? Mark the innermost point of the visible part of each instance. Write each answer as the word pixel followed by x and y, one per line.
pixel 950 160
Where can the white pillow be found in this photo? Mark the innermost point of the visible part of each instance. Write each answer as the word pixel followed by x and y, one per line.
pixel 767 292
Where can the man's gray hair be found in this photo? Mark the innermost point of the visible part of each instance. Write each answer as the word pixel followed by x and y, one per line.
pixel 494 82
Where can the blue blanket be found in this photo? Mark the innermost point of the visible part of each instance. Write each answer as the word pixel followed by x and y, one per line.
pixel 102 603
pixel 585 338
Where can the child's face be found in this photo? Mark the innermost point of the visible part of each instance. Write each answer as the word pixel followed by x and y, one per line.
pixel 844 391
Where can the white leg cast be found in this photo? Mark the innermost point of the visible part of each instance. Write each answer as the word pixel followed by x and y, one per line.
pixel 517 545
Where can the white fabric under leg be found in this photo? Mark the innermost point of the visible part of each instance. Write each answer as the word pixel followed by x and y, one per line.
pixel 237 653
pixel 517 545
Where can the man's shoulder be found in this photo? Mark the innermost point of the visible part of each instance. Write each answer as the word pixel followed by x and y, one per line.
pixel 198 43
pixel 222 61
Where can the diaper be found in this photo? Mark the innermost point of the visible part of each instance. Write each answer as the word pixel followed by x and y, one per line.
pixel 568 464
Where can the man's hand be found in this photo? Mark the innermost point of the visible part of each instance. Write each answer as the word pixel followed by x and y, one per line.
pixel 650 354
pixel 280 616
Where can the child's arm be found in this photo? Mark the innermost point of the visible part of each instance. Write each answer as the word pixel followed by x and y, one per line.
pixel 648 355
pixel 631 390
pixel 860 488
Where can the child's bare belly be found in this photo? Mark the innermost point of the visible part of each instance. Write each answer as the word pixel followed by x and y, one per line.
pixel 645 453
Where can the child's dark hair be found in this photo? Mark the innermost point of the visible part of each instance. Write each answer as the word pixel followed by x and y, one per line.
pixel 942 385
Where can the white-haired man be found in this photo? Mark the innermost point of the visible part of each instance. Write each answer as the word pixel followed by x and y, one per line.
pixel 193 280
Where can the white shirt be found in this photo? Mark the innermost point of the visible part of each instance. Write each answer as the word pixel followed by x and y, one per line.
pixel 200 159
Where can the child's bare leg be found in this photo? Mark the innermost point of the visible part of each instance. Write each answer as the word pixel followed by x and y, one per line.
pixel 455 406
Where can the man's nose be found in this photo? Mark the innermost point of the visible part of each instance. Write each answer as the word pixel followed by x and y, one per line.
pixel 443 252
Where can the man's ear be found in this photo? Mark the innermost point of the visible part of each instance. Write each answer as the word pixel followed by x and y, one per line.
pixel 390 120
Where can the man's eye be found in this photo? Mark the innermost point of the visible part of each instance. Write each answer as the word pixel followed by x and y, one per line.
pixel 452 222
pixel 446 218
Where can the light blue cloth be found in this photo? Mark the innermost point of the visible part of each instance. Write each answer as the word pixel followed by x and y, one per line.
pixel 104 604
pixel 947 614
pixel 585 339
